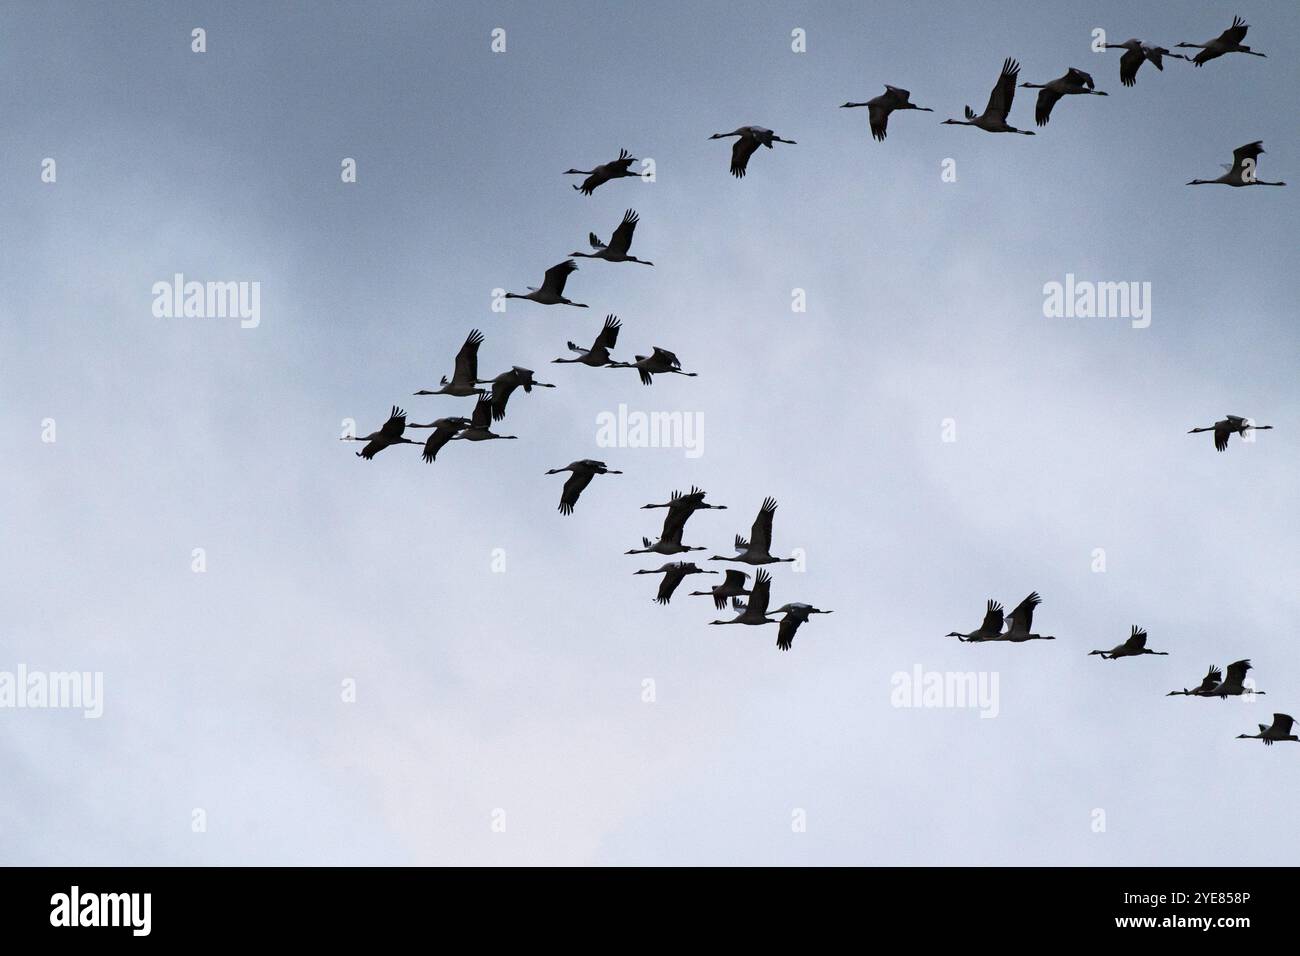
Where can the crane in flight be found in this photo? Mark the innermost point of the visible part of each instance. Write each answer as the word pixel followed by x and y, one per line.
pixel 748 139
pixel 389 434
pixel 879 108
pixel 1229 41
pixel 1242 171
pixel 582 473
pixel 1225 429
pixel 598 355
pixel 615 169
pixel 1135 646
pixel 552 290
pixel 619 242
pixel 994 117
pixel 1279 730
pixel 674 573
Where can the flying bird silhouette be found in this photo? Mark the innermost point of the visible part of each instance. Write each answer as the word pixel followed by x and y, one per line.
pixel 1229 41
pixel 674 572
pixel 754 612
pixel 758 549
pixel 598 355
pixel 389 434
pixel 583 472
pixel 994 117
pixel 795 615
pixel 879 108
pixel 444 430
pixel 480 423
pixel 1279 730
pixel 616 169
pixel 1138 53
pixel 552 290
pixel 1225 429
pixel 1020 623
pixel 1072 83
pixel 619 242
pixel 1213 677
pixel 990 628
pixel 658 362
pixel 732 586
pixel 1242 170
pixel 464 380
pixel 1135 646
pixel 504 385
pixel 748 139
pixel 1234 685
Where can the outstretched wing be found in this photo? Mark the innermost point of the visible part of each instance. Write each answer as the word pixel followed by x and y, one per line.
pixel 1022 618
pixel 1237 671
pixel 621 241
pixel 878 117
pixel 1235 33
pixel 395 425
pixel 993 618
pixel 502 388
pixel 482 417
pixel 573 489
pixel 669 584
pixel 1137 640
pixel 1129 63
pixel 760 534
pixel 1212 679
pixel 608 334
pixel 1047 98
pixel 1004 91
pixel 1243 153
pixel 437 438
pixel 785 634
pixel 557 275
pixel 1282 723
pixel 595 241
pixel 759 597
pixel 1222 432
pixel 467 359
pixel 741 150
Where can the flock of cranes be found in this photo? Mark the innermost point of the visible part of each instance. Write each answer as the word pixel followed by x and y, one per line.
pixel 751 603
pixel 1017 627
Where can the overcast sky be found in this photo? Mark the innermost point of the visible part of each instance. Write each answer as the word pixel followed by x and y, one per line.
pixel 522 691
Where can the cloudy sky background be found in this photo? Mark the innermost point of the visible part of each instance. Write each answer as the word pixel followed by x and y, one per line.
pixel 522 690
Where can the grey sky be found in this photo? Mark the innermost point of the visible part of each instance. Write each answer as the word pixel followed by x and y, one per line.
pixel 522 690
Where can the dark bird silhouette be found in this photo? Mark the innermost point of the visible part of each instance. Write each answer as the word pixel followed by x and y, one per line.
pixel 1280 730
pixel 994 117
pixel 503 387
pixel 389 434
pixel 598 354
pixel 754 612
pixel 686 505
pixel 617 169
pixel 1072 83
pixel 748 139
pixel 1234 685
pixel 552 290
pixel 583 472
pixel 674 572
pixel 1242 171
pixel 480 423
pixel 1135 646
pixel 619 242
pixel 1020 623
pixel 464 379
pixel 1229 41
pixel 669 542
pixel 1232 425
pixel 732 586
pixel 795 614
pixel 879 108
pixel 444 430
pixel 1206 688
pixel 990 628
pixel 1137 53
pixel 758 549
pixel 658 362
pixel 680 508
